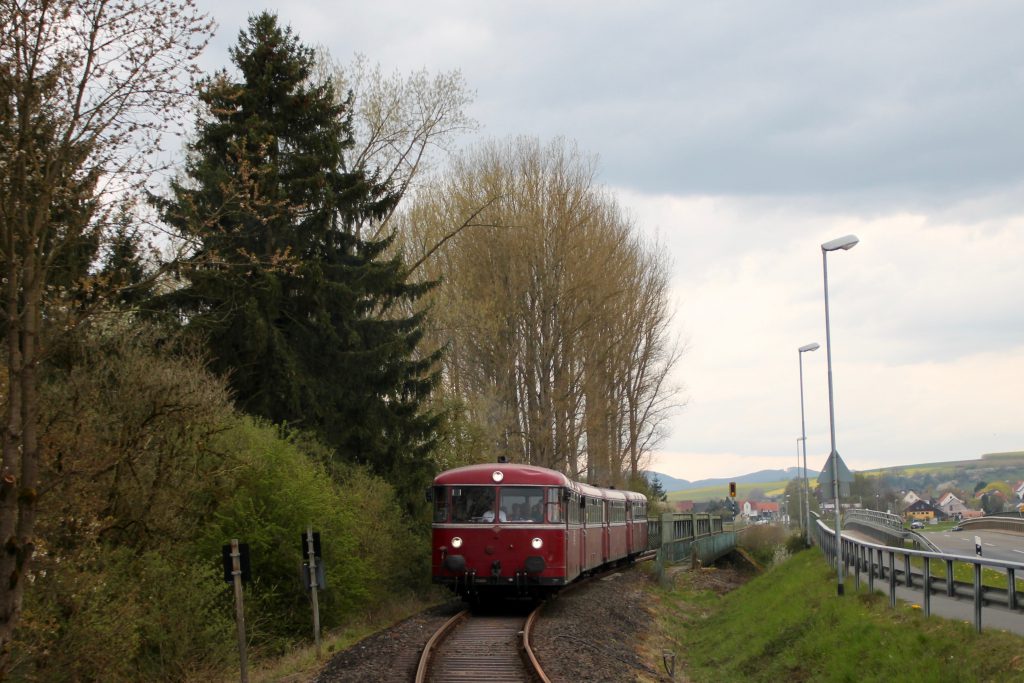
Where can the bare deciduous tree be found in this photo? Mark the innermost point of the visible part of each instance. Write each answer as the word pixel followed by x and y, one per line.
pixel 87 87
pixel 553 310
pixel 398 119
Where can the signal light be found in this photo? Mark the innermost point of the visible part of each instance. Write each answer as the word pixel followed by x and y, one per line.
pixel 732 489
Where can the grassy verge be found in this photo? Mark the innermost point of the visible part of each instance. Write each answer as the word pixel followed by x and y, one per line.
pixel 964 572
pixel 788 624
pixel 301 665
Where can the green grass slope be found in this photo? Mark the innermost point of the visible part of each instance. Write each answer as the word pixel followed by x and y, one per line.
pixel 788 625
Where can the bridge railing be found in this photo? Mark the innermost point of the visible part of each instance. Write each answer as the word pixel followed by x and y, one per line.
pixel 689 536
pixel 875 517
pixel 882 562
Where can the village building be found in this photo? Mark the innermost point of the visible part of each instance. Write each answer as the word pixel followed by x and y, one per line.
pixel 924 511
pixel 952 506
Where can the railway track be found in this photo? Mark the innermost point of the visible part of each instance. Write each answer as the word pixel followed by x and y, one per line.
pixel 477 648
pixel 486 648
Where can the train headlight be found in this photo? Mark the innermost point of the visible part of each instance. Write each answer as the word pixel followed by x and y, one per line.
pixel 537 543
pixel 456 542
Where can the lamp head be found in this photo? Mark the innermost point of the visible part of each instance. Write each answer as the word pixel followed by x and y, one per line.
pixel 847 242
pixel 813 346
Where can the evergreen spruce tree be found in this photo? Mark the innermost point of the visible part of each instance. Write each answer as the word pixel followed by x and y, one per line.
pixel 302 311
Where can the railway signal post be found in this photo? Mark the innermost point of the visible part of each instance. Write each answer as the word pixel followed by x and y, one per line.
pixel 312 543
pixel 236 570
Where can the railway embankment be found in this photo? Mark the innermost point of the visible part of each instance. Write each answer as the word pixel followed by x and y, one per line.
pixel 788 624
pixel 725 622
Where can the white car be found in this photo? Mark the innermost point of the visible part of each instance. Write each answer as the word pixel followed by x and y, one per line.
pixel 917 524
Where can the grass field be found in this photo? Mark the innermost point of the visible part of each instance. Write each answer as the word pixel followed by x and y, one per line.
pixel 788 625
pixel 772 488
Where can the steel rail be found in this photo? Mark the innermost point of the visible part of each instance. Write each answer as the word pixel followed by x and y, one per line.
pixel 538 670
pixel 428 649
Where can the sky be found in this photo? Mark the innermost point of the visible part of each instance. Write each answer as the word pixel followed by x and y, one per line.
pixel 743 135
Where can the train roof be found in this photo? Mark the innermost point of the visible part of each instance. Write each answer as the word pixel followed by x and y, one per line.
pixel 502 473
pixel 511 474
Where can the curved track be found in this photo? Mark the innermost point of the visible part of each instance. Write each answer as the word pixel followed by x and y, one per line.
pixel 471 648
pixel 486 648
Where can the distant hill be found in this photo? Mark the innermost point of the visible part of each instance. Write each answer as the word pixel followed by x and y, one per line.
pixel 670 484
pixel 921 477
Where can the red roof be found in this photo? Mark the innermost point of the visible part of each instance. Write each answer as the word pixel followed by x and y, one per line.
pixel 502 473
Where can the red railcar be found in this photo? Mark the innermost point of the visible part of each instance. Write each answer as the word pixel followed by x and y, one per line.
pixel 519 529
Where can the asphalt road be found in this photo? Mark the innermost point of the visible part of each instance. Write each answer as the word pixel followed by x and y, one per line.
pixel 995 545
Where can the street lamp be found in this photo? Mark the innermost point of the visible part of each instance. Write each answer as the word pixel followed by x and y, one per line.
pixel 799 487
pixel 813 346
pixel 843 243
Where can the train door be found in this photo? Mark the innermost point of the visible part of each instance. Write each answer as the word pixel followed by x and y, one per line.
pixel 584 523
pixel 573 535
pixel 630 549
pixel 605 530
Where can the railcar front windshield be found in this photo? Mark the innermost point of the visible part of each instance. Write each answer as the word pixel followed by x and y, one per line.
pixel 523 503
pixel 473 504
pixel 488 504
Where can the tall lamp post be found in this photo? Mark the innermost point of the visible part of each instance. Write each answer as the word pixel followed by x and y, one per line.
pixel 799 488
pixel 844 243
pixel 813 346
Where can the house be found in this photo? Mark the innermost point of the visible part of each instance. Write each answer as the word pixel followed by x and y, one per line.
pixel 683 506
pixel 909 499
pixel 922 510
pixel 753 509
pixel 1018 489
pixel 951 505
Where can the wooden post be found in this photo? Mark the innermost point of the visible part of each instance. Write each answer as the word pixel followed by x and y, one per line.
pixel 312 587
pixel 236 573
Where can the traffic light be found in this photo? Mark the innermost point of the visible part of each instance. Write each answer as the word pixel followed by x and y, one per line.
pixel 732 489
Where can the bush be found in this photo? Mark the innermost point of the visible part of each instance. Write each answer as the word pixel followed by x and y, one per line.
pixel 762 541
pixel 148 470
pixel 795 543
pixel 107 614
pixel 277 491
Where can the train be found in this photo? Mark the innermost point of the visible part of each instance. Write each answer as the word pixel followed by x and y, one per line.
pixel 505 530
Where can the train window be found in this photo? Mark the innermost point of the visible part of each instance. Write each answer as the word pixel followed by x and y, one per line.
pixel 595 511
pixel 617 511
pixel 573 509
pixel 523 503
pixel 440 499
pixel 472 504
pixel 554 505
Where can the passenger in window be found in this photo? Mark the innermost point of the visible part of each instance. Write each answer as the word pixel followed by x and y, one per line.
pixel 535 513
pixel 489 516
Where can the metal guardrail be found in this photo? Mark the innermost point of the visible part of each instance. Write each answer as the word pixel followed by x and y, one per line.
pixel 880 562
pixel 1011 521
